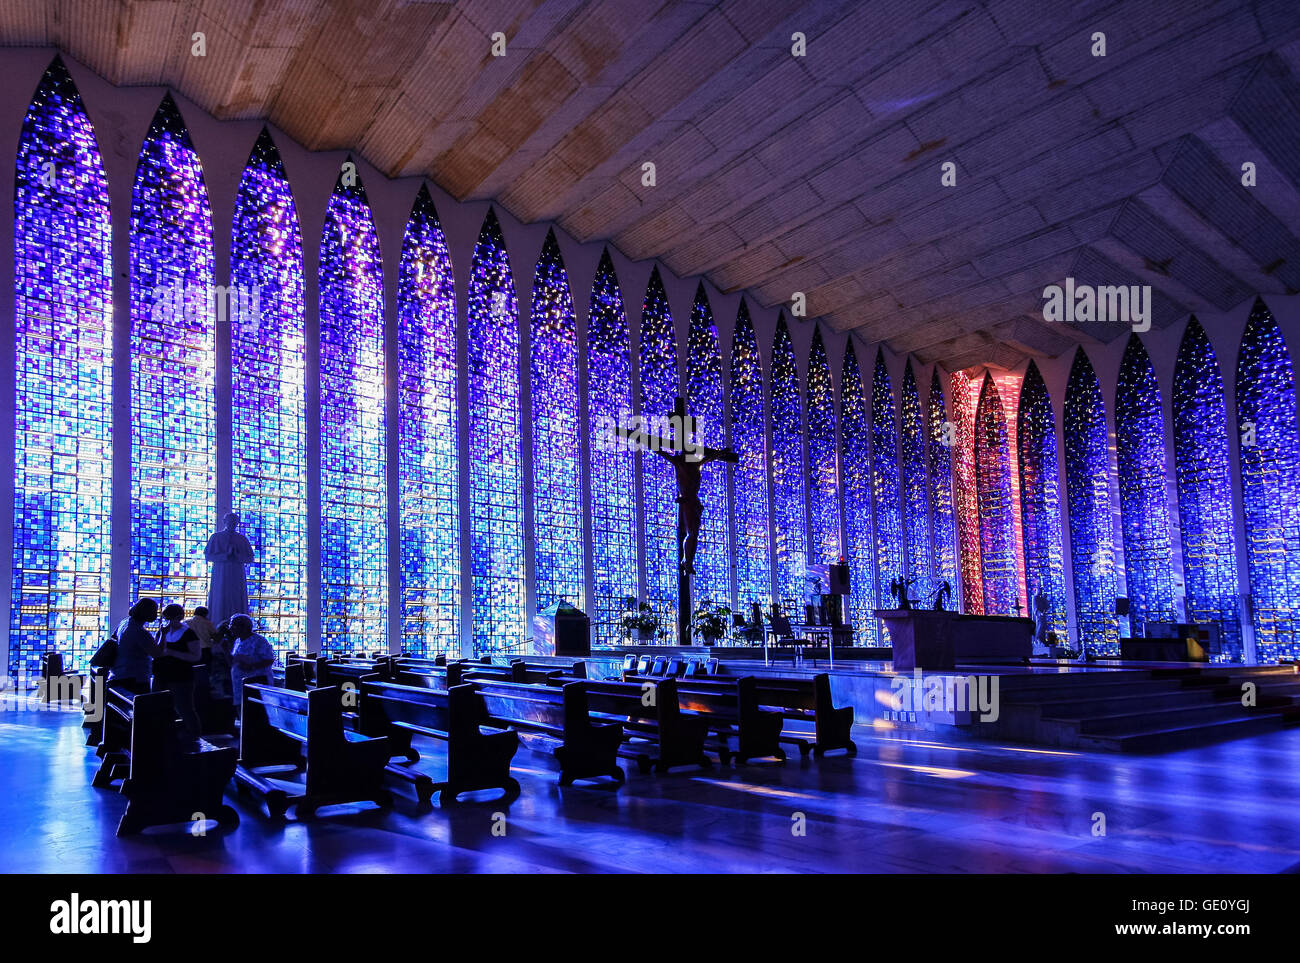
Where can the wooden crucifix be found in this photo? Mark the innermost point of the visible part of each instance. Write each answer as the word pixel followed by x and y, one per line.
pixel 687 458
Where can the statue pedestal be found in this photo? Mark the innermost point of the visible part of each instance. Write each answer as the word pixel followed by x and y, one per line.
pixel 922 638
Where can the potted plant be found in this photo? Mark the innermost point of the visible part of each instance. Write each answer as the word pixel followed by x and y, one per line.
pixel 710 622
pixel 639 619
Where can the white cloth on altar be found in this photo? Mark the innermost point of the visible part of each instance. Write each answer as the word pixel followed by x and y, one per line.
pixel 228 552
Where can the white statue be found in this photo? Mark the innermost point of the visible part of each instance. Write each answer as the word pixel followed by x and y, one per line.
pixel 229 552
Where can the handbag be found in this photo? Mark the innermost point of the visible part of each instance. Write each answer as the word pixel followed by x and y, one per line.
pixel 106 655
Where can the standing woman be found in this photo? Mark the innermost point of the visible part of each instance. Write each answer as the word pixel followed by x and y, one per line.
pixel 177 650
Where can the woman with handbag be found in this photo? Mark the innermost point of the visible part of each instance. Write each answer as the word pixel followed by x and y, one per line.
pixel 131 664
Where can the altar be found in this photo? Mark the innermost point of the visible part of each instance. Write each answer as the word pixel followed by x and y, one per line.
pixel 938 639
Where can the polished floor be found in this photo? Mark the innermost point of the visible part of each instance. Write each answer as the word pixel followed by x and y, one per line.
pixel 909 803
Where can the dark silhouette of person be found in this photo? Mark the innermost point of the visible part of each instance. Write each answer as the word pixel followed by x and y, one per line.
pixel 687 466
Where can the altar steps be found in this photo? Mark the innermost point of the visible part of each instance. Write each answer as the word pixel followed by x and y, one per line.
pixel 1146 710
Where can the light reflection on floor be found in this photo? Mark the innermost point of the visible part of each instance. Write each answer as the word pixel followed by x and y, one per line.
pixel 900 806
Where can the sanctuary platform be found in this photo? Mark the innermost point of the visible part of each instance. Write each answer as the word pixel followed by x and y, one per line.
pixel 1104 705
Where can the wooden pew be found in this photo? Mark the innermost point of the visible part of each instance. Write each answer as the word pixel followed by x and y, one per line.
pixel 113 744
pixel 559 718
pixel 478 757
pixel 805 698
pixel 172 779
pixel 657 735
pixel 435 677
pixel 92 718
pixel 283 728
pixel 731 706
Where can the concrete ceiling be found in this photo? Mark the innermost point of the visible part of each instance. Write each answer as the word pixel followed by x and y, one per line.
pixel 777 173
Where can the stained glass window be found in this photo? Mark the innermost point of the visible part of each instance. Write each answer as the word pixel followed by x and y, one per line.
pixel 749 439
pixel 993 484
pixel 173 483
pixel 1204 486
pixel 1143 490
pixel 495 434
pixel 1087 486
pixel 613 469
pixel 886 485
pixel 63 464
pixel 1270 475
pixel 354 487
pixel 943 438
pixel 704 400
pixel 823 463
pixel 268 395
pixel 428 422
pixel 659 391
pixel 965 493
pixel 1040 501
pixel 916 486
pixel 557 447
pixel 859 540
pixel 789 495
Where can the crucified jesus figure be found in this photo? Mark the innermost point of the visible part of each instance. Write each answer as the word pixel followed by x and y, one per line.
pixel 687 467
pixel 687 460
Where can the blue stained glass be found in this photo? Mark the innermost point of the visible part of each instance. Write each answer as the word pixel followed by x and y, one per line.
pixel 823 463
pixel 704 400
pixel 943 435
pixel 916 486
pixel 1040 500
pixel 63 464
pixel 659 391
pixel 354 489
pixel 1087 486
pixel 789 493
pixel 495 439
pixel 428 423
pixel 613 469
pixel 749 439
pixel 1204 487
pixel 173 469
pixel 886 485
pixel 859 492
pixel 1270 475
pixel 993 484
pixel 268 396
pixel 1143 490
pixel 557 446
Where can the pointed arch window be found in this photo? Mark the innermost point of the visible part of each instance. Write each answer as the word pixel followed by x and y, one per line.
pixel 1087 487
pixel 823 463
pixel 353 458
pixel 613 469
pixel 428 419
pixel 557 467
pixel 993 485
pixel 1270 483
pixel 789 491
pixel 63 399
pixel 885 483
pixel 749 439
pixel 916 485
pixel 173 443
pixel 1204 486
pixel 659 391
pixel 1040 501
pixel 1143 490
pixel 943 437
pixel 496 492
pixel 705 401
pixel 859 540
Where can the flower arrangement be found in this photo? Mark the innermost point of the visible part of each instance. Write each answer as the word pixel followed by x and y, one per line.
pixel 638 618
pixel 710 621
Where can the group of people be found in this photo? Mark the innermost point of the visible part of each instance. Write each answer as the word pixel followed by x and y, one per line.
pixel 164 661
